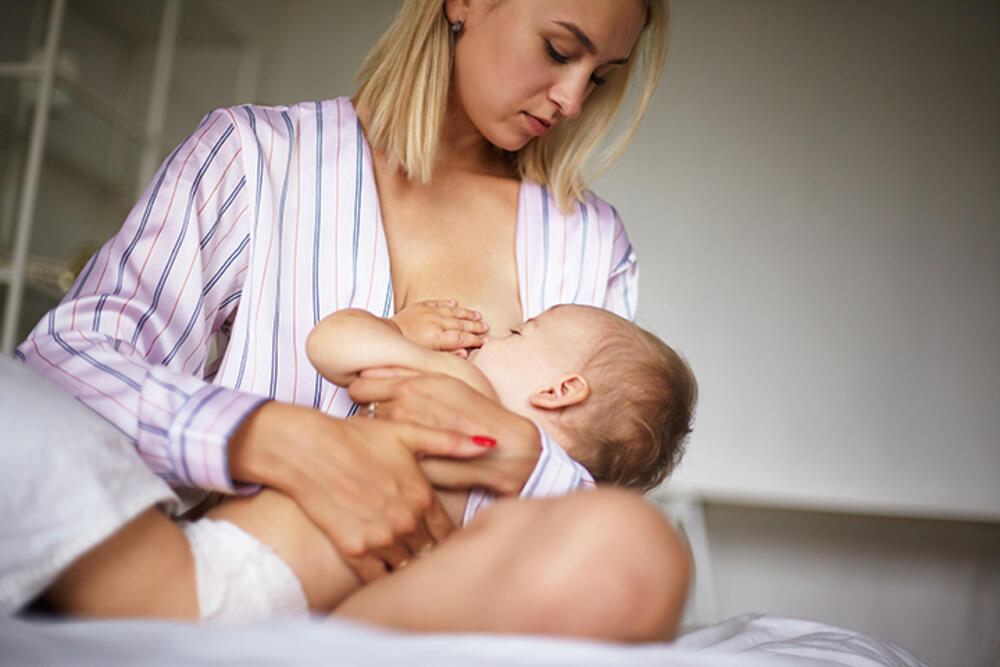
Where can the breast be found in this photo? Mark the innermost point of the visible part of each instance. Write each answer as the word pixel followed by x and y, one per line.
pixel 456 243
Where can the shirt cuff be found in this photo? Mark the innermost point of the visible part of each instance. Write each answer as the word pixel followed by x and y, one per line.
pixel 185 426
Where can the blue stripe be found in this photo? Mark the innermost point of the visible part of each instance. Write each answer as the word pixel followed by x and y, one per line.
pixel 168 386
pixel 222 211
pixel 187 426
pixel 387 306
pixel 353 410
pixel 318 390
pixel 256 221
pixel 229 299
pixel 273 387
pixel 96 326
pixel 545 241
pixel 19 355
pixel 583 251
pixel 132 384
pixel 178 244
pixel 357 210
pixel 85 274
pixel 225 265
pixel 195 316
pixel 138 235
pixel 624 260
pixel 156 430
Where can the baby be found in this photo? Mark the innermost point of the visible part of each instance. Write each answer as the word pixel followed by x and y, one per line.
pixel 616 398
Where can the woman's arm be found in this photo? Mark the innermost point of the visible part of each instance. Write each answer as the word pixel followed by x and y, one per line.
pixel 131 337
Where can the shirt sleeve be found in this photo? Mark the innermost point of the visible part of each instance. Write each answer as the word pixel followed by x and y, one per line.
pixel 131 337
pixel 555 474
pixel 623 281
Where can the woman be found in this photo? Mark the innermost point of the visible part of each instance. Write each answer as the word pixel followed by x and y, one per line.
pixel 266 219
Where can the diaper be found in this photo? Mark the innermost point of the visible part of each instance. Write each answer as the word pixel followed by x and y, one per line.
pixel 239 579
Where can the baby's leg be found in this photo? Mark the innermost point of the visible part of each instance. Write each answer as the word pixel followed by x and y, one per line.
pixel 602 564
pixel 147 568
pixel 277 521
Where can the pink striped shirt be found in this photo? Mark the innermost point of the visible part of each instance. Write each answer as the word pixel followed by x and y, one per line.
pixel 262 222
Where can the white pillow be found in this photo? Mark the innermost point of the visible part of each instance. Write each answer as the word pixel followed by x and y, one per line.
pixel 68 480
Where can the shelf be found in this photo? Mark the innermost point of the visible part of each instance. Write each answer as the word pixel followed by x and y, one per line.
pixel 44 274
pixel 95 104
pixel 19 70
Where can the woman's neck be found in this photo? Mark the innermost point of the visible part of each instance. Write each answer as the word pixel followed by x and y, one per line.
pixel 462 146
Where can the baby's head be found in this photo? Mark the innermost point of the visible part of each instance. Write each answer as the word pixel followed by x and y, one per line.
pixel 618 398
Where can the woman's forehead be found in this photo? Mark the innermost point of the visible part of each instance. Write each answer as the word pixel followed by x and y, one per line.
pixel 605 28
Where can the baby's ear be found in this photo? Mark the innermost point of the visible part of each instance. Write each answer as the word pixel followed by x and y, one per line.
pixel 569 390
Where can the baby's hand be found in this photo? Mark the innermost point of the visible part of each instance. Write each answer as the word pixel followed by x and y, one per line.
pixel 442 325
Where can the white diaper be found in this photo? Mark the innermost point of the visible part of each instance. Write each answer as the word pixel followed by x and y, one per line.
pixel 240 580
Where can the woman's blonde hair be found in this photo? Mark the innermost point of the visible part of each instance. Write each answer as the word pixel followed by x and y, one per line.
pixel 404 91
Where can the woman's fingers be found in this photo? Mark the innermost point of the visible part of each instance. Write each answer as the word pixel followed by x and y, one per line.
pixel 457 475
pixel 357 479
pixel 367 568
pixel 441 402
pixel 425 441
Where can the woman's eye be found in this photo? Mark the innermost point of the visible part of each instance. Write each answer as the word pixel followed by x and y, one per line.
pixel 562 60
pixel 555 55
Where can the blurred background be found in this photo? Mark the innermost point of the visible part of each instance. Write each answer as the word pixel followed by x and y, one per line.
pixel 815 201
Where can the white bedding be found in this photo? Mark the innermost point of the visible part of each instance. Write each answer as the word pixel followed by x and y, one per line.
pixel 68 479
pixel 745 641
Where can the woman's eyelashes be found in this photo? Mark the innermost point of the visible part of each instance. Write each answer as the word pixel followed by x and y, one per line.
pixel 562 60
pixel 555 55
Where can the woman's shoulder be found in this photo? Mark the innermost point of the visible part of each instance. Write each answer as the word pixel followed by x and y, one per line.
pixel 284 118
pixel 541 203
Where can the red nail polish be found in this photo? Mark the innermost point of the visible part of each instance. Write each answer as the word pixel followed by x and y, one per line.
pixel 484 441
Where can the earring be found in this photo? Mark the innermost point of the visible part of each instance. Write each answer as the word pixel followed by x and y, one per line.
pixel 457 26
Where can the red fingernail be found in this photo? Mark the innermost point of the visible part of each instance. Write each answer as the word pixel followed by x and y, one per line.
pixel 484 441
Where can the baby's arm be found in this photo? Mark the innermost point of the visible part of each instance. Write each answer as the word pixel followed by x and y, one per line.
pixel 347 342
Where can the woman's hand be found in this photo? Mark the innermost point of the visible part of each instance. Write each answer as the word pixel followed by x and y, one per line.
pixel 442 402
pixel 358 480
pixel 442 325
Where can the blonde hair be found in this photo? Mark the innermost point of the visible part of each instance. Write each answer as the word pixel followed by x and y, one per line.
pixel 404 89
pixel 632 428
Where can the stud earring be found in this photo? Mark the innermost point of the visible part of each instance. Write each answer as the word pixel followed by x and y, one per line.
pixel 457 26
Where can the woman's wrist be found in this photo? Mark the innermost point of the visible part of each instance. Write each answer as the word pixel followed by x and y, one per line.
pixel 250 456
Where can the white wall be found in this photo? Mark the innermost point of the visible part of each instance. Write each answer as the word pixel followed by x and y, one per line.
pixel 814 201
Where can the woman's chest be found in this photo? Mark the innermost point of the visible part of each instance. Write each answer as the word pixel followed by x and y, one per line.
pixel 455 243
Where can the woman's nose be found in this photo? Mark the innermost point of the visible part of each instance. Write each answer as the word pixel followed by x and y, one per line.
pixel 568 94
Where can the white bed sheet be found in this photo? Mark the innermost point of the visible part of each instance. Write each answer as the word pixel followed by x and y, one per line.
pixel 67 480
pixel 748 641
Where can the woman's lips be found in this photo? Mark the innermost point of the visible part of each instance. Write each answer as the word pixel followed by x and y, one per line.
pixel 537 125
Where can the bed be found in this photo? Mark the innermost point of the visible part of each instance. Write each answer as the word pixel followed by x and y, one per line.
pixel 68 480
pixel 745 641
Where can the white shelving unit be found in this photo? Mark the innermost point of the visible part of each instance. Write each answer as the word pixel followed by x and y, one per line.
pixel 130 136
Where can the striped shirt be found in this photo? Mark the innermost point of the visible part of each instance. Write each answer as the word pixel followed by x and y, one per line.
pixel 262 222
